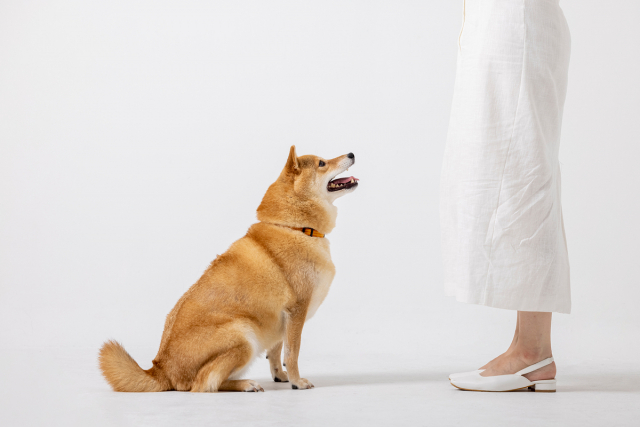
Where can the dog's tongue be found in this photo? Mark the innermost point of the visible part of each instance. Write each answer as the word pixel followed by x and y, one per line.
pixel 344 180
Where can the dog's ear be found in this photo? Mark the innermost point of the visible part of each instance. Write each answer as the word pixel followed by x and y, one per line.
pixel 292 162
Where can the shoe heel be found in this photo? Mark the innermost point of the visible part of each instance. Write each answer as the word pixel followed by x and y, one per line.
pixel 544 387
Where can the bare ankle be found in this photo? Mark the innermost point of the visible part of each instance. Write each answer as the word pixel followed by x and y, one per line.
pixel 532 355
pixel 545 373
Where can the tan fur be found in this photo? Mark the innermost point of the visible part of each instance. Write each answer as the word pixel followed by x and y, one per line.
pixel 253 298
pixel 124 374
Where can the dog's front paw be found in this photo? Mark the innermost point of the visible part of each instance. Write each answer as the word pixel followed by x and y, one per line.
pixel 301 384
pixel 280 376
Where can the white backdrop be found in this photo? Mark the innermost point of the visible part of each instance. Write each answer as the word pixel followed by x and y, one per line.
pixel 138 137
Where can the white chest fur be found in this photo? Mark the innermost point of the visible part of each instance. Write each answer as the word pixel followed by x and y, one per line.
pixel 320 291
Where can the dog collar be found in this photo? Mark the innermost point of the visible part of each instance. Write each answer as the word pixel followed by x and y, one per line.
pixel 309 231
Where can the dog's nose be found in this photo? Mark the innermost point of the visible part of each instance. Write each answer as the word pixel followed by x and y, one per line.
pixel 351 156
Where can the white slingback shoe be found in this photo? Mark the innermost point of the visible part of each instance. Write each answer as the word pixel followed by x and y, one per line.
pixel 475 382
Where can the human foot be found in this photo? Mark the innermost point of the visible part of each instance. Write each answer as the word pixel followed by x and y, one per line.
pixel 508 382
pixel 483 367
pixel 510 363
pixel 512 346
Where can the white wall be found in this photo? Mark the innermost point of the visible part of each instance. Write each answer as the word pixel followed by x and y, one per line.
pixel 137 139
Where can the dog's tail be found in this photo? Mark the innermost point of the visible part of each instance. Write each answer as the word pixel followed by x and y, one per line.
pixel 124 374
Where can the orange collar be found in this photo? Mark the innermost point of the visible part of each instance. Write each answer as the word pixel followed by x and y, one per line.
pixel 309 231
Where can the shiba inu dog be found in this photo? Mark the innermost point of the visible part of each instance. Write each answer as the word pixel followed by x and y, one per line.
pixel 254 297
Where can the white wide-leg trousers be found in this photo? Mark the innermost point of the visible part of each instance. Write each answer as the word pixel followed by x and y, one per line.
pixel 502 231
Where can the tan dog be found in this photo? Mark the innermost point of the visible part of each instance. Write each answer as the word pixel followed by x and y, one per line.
pixel 254 296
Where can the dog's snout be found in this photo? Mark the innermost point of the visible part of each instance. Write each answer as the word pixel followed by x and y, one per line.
pixel 351 156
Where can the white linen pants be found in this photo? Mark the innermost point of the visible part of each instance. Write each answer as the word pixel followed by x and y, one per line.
pixel 502 231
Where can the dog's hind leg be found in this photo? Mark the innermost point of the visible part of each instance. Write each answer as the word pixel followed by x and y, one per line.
pixel 275 363
pixel 213 376
pixel 240 385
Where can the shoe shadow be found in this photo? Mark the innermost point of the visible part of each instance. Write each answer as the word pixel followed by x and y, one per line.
pixel 600 382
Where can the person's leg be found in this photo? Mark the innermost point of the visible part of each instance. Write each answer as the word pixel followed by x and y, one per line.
pixel 531 344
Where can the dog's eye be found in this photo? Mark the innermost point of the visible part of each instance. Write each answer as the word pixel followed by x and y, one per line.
pixel 322 163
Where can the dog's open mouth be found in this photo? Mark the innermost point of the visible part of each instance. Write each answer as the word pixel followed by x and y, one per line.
pixel 342 183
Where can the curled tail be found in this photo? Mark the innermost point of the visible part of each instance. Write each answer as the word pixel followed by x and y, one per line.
pixel 124 374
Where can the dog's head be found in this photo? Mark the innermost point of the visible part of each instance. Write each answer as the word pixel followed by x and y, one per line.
pixel 304 193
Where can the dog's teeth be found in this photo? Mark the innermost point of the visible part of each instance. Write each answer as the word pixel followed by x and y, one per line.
pixel 352 180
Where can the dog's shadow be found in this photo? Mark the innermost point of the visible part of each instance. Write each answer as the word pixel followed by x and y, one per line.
pixel 364 379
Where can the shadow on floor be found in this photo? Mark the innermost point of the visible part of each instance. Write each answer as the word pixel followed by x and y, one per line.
pixel 595 382
pixel 379 378
pixel 601 382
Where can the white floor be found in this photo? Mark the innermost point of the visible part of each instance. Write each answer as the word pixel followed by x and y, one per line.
pixel 63 388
